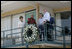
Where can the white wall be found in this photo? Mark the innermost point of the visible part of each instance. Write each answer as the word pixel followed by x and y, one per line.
pixel 6 25
pixel 58 23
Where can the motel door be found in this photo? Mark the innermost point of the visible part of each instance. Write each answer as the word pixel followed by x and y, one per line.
pixel 28 15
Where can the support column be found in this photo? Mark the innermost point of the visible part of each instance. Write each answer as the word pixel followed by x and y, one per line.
pixel 37 11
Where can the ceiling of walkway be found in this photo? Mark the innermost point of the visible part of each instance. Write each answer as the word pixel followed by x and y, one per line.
pixel 11 5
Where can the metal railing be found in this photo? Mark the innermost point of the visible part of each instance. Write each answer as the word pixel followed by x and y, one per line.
pixel 13 42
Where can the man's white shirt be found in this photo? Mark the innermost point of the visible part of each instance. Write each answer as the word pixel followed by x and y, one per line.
pixel 40 21
pixel 46 16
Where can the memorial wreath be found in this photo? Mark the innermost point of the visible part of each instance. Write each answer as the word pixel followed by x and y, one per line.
pixel 30 33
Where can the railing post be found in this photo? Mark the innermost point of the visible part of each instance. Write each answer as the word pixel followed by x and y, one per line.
pixel 3 38
pixel 55 31
pixel 45 32
pixel 12 38
pixel 22 36
pixel 26 44
pixel 42 37
pixel 64 45
pixel 52 34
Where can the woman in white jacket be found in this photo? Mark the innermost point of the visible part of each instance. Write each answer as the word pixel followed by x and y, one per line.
pixel 21 25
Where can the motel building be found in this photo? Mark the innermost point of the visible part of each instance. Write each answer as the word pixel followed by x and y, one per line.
pixel 12 10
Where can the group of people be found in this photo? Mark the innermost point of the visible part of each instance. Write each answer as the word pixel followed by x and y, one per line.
pixel 46 22
pixel 42 21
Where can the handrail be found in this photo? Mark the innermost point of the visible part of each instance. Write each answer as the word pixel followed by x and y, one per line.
pixel 13 29
pixel 23 27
